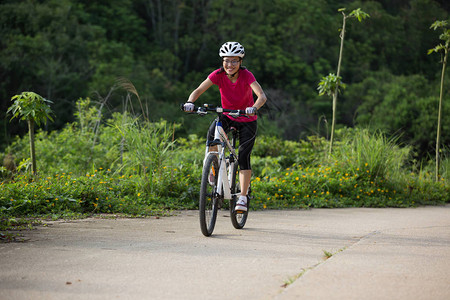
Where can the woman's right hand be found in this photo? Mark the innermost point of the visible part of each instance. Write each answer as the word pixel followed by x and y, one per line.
pixel 188 107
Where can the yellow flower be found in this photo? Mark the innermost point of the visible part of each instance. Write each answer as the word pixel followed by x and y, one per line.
pixel 264 206
pixel 296 178
pixel 139 194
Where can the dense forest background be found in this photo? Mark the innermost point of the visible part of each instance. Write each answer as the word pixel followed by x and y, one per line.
pixel 65 50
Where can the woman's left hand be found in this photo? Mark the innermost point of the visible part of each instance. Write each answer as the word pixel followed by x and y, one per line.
pixel 251 111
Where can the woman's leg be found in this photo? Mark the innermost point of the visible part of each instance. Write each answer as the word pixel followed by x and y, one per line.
pixel 245 177
pixel 247 135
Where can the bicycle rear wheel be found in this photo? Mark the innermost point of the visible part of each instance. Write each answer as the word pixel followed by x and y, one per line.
pixel 209 198
pixel 238 219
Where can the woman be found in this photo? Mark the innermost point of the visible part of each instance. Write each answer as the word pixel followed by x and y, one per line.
pixel 236 85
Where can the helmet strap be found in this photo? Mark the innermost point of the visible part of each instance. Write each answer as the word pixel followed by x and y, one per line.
pixel 232 75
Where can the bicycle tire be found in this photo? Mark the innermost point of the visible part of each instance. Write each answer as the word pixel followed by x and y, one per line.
pixel 208 201
pixel 238 219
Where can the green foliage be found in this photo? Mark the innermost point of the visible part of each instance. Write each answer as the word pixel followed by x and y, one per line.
pixel 30 106
pixel 367 170
pixel 329 84
pixel 34 109
pixel 146 148
pixel 359 14
pixel 445 36
pixel 399 105
pixel 378 155
pixel 68 49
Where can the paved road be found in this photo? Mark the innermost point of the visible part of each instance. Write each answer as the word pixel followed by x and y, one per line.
pixel 377 254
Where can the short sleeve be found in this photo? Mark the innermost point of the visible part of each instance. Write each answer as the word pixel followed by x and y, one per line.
pixel 250 78
pixel 214 77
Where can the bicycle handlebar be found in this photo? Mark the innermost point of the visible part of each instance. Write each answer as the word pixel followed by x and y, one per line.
pixel 203 110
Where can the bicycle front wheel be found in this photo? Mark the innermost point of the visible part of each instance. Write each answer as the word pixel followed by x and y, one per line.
pixel 209 198
pixel 238 219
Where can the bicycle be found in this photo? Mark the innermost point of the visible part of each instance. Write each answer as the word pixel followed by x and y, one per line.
pixel 220 175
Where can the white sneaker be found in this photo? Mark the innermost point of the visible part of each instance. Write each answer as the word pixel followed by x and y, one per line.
pixel 241 204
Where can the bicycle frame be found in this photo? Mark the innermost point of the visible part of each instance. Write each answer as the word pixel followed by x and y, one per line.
pixel 212 193
pixel 224 179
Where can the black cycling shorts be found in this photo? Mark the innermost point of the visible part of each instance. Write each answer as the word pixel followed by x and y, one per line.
pixel 246 135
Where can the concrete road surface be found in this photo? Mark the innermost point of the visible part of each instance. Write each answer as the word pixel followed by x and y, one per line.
pixel 372 254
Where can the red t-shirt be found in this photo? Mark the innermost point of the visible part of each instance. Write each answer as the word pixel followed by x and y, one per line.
pixel 238 95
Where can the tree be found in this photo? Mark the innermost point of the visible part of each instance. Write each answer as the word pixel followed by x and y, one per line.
pixel 445 36
pixel 330 84
pixel 34 109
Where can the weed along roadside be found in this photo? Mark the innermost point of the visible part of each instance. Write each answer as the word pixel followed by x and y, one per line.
pixel 366 170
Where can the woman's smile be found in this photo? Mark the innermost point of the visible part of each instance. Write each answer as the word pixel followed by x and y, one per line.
pixel 231 65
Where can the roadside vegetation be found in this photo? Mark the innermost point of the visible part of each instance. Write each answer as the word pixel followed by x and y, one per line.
pixel 107 153
pixel 135 167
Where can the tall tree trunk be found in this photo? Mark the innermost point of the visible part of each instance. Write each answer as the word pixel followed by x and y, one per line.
pixel 441 94
pixel 32 148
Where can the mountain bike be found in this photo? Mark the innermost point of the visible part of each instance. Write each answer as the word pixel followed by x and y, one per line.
pixel 220 175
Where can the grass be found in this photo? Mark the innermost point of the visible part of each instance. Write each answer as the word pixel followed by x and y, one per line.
pixel 292 279
pixel 138 168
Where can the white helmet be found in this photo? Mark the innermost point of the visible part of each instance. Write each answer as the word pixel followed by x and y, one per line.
pixel 232 49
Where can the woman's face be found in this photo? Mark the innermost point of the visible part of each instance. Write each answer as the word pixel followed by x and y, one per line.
pixel 231 64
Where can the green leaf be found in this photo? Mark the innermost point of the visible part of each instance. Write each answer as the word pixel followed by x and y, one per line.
pixel 359 14
pixel 30 106
pixel 438 24
pixel 329 84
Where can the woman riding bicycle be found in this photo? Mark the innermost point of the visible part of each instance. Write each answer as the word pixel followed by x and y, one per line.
pixel 236 85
